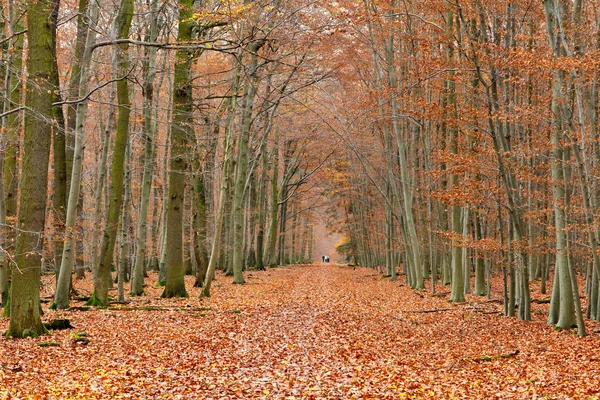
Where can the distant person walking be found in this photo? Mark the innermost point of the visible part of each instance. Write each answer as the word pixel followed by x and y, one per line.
pixel 326 259
pixel 323 258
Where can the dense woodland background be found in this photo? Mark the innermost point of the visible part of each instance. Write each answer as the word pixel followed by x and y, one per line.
pixel 446 141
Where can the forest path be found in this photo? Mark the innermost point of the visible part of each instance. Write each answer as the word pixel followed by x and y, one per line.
pixel 318 331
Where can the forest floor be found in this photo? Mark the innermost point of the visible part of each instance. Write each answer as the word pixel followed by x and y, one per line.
pixel 303 332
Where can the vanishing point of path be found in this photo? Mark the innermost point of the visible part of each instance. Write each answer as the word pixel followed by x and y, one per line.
pixel 304 332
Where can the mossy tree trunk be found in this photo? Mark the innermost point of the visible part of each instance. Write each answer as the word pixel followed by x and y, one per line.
pixel 242 164
pixel 180 130
pixel 25 289
pixel 102 276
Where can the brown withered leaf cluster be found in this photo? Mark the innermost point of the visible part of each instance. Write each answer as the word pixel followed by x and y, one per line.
pixel 304 332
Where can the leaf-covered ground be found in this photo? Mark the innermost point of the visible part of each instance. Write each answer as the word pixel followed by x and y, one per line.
pixel 304 332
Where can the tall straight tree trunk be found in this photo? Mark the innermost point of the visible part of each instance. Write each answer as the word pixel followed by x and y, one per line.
pixel 63 143
pixel 392 195
pixel 3 257
pixel 73 89
pixel 10 142
pixel 242 166
pixel 569 307
pixel 102 276
pixel 3 108
pixel 500 144
pixel 14 71
pixel 466 215
pixel 480 289
pixel 262 211
pixel 63 285
pixel 283 214
pixel 199 228
pixel 25 289
pixel 125 229
pixel 181 128
pixel 3 228
pixel 223 190
pixel 59 197
pixel 407 194
pixel 457 288
pixel 162 271
pixel 105 132
pixel 12 124
pixel 270 249
pixel 137 282
pixel 566 314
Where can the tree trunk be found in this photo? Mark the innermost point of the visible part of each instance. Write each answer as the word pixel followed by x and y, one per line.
pixel 59 197
pixel 137 282
pixel 199 221
pixel 63 285
pixel 262 208
pixel 457 288
pixel 125 229
pixel 181 128
pixel 25 296
pixel 102 275
pixel 480 289
pixel 242 165
pixel 270 250
pixel 101 177
pixel 220 217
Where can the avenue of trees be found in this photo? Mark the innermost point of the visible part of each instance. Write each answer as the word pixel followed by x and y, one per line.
pixel 453 142
pixel 476 128
pixel 142 135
